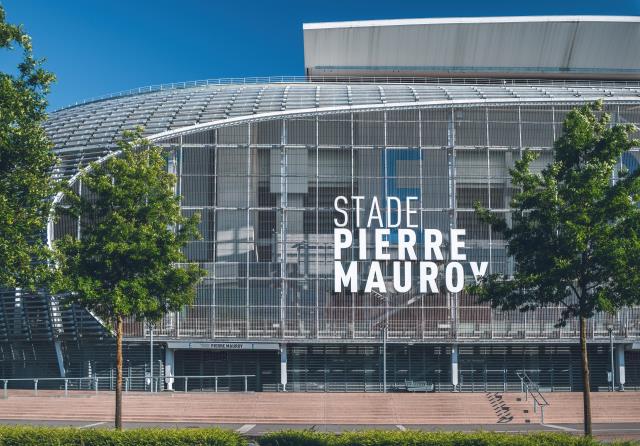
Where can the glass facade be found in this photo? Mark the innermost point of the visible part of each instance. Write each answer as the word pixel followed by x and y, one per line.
pixel 265 190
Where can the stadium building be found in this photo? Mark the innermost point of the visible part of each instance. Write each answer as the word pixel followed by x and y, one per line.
pixel 437 109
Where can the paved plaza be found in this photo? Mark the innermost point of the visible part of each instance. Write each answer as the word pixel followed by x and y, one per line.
pixel 615 415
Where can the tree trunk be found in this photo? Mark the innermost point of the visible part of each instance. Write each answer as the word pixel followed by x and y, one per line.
pixel 118 421
pixel 586 381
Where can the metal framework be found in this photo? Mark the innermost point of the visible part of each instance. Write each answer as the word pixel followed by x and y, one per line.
pixel 262 164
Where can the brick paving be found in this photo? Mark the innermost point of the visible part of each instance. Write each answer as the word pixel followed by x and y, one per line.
pixel 318 408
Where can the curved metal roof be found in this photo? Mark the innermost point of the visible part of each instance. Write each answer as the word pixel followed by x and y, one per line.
pixel 86 132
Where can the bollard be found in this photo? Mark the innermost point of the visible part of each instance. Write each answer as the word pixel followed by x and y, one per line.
pixel 126 384
pixel 6 389
pixel 216 383
pixel 66 387
pixel 186 384
pixel 35 387
pixel 541 414
pixel 245 384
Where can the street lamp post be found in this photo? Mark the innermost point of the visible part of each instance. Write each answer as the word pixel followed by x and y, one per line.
pixel 384 354
pixel 151 356
pixel 613 375
pixel 385 327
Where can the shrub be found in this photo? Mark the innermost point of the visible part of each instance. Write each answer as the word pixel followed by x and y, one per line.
pixel 418 438
pixel 45 436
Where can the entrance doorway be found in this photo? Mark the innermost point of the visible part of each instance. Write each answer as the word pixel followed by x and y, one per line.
pixel 263 365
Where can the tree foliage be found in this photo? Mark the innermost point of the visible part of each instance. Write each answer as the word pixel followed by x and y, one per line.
pixel 128 260
pixel 26 164
pixel 574 232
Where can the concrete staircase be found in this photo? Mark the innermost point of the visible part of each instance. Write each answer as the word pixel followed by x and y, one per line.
pixel 566 407
pixel 507 409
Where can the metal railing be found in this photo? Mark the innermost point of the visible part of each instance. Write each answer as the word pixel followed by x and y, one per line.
pixel 359 321
pixel 357 79
pixel 88 382
pixel 92 383
pixel 216 378
pixel 529 387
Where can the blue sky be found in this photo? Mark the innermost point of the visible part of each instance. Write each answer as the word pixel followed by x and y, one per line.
pixel 97 47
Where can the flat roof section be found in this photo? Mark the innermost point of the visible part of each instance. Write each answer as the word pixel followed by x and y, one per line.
pixel 548 47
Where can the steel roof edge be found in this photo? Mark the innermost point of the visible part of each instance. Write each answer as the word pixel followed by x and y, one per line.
pixel 471 20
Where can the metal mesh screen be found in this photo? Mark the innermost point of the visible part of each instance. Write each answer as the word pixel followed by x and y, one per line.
pixel 265 192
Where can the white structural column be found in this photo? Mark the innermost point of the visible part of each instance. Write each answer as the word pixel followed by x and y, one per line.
pixel 620 365
pixel 283 367
pixel 169 367
pixel 454 367
pixel 60 358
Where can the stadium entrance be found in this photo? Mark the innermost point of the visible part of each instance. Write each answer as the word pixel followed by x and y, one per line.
pixel 359 367
pixel 260 367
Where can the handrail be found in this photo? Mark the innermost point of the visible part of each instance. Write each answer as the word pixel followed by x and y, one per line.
pixel 215 378
pixel 208 376
pixel 94 382
pixel 530 387
pixel 357 79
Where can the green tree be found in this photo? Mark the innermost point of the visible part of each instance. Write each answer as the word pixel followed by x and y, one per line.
pixel 26 164
pixel 574 232
pixel 128 261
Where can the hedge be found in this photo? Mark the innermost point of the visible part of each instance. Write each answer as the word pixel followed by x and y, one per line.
pixel 418 438
pixel 45 436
